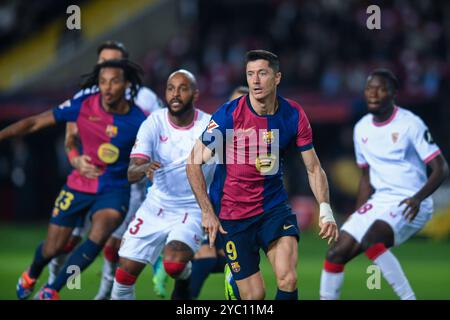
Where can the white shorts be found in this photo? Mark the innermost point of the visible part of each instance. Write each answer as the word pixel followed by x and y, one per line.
pixel 154 226
pixel 360 221
pixel 137 197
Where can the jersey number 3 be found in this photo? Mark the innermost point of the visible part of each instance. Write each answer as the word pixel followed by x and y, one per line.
pixel 137 226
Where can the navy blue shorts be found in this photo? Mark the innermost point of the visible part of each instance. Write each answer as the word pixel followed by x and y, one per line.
pixel 246 237
pixel 71 206
pixel 218 243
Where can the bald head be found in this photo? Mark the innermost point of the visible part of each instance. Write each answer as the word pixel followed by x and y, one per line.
pixel 188 75
pixel 181 92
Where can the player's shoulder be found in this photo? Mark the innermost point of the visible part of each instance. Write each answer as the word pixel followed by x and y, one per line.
pixel 202 115
pixel 155 119
pixel 78 102
pixel 364 122
pixel 158 115
pixel 290 103
pixel 407 116
pixel 86 92
pixel 227 109
pixel 291 109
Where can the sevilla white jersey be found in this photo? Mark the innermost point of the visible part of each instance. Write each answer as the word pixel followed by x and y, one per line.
pixel 396 152
pixel 161 140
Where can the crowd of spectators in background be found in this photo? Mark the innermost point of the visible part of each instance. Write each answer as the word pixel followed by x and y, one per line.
pixel 325 49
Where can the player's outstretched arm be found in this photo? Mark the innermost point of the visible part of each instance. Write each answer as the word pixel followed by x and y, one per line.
pixel 200 155
pixel 365 190
pixel 319 186
pixel 140 167
pixel 439 172
pixel 28 125
pixel 82 163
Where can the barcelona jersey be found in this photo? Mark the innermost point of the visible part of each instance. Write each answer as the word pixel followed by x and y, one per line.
pixel 249 151
pixel 107 138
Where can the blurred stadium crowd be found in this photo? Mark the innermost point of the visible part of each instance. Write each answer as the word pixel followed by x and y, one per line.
pixel 326 52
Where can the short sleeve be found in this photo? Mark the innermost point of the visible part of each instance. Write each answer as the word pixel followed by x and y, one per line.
pixel 216 127
pixel 360 159
pixel 69 110
pixel 423 141
pixel 143 147
pixel 304 140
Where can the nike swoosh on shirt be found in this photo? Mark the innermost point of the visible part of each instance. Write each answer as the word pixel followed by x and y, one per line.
pixel 285 227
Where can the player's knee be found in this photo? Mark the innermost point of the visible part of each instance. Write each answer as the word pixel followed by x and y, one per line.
pixel 125 278
pixel 336 255
pixel 50 250
pixel 178 270
pixel 287 281
pixel 71 244
pixel 255 294
pixel 374 251
pixel 111 253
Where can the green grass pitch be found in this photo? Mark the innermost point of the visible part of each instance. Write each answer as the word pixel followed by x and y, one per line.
pixel 425 262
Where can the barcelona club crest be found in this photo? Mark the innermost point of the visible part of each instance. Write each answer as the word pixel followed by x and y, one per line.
pixel 111 131
pixel 268 137
pixel 235 267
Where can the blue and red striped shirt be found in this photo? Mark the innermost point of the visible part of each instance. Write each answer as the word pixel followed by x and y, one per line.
pixel 105 137
pixel 248 180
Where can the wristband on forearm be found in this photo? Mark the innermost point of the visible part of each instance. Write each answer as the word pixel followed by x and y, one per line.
pixel 326 214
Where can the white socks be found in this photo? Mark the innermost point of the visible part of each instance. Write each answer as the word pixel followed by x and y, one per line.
pixel 122 291
pixel 55 266
pixel 394 275
pixel 331 281
pixel 109 269
pixel 330 285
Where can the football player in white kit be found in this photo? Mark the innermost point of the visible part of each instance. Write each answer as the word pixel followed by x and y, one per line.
pixel 393 147
pixel 148 102
pixel 169 220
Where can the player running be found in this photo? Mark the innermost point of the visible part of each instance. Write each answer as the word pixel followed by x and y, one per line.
pixel 393 147
pixel 247 191
pixel 107 124
pixel 169 220
pixel 212 260
pixel 146 100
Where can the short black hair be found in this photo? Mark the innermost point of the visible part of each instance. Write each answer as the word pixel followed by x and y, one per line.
pixel 272 58
pixel 389 76
pixel 132 72
pixel 115 45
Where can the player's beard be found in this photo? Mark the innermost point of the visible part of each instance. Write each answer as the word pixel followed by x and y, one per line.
pixel 186 107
